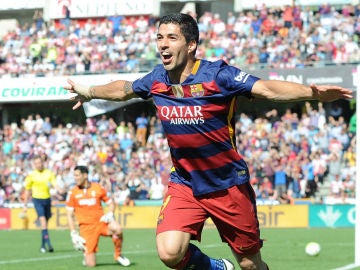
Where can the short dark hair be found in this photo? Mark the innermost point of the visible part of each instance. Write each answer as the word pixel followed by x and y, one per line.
pixel 82 169
pixel 188 26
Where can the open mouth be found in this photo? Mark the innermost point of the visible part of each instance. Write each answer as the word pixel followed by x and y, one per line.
pixel 166 58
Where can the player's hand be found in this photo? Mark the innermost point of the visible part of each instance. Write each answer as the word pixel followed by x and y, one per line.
pixel 78 241
pixel 83 93
pixel 329 93
pixel 108 217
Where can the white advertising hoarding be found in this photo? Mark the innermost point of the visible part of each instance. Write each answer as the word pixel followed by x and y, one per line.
pixel 51 88
pixel 95 8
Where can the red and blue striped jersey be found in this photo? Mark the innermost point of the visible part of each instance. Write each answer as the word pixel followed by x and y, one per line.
pixel 198 120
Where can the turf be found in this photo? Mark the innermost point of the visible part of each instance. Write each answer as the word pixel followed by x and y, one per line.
pixel 283 250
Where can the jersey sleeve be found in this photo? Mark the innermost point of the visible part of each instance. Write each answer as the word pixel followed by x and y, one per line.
pixel 103 195
pixel 28 182
pixel 142 86
pixel 52 178
pixel 70 203
pixel 235 82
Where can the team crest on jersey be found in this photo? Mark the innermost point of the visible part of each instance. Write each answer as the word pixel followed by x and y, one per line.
pixel 197 90
pixel 178 91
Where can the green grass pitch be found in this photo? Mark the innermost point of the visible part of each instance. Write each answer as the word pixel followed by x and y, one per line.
pixel 283 250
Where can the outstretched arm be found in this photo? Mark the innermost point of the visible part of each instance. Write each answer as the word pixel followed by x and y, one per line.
pixel 119 90
pixel 288 91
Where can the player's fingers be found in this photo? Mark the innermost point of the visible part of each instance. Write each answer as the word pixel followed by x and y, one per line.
pixel 69 87
pixel 77 105
pixel 71 82
pixel 348 96
pixel 347 92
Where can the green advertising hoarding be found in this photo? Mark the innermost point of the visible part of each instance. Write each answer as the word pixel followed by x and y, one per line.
pixel 338 215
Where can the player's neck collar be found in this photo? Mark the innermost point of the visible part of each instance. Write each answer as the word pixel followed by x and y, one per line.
pixel 86 186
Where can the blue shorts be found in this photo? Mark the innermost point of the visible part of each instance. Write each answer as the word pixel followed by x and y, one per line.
pixel 43 207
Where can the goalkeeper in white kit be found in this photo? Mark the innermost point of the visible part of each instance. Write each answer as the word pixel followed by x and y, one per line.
pixel 84 203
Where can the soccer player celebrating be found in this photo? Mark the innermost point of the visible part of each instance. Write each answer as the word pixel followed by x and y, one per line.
pixel 37 185
pixel 84 202
pixel 196 100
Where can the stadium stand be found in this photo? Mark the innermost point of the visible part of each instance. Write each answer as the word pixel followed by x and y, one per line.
pixel 266 37
pixel 311 148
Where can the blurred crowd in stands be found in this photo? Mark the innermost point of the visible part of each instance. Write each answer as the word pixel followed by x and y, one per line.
pixel 287 37
pixel 290 156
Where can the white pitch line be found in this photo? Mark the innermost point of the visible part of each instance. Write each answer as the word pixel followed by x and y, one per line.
pixel 347 267
pixel 58 257
pixel 37 259
pixel 66 257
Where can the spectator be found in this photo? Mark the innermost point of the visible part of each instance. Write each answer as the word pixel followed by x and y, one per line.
pixel 134 185
pixel 269 171
pixel 116 23
pixel 336 187
pixel 126 145
pixel 102 124
pixel 334 166
pixel 266 188
pixel 319 166
pixel 336 111
pixel 352 125
pixel 38 20
pixel 294 186
pixel 121 130
pixel 3 196
pixel 121 194
pixel 280 179
pixel 7 146
pixel 141 128
pixel 311 182
pixel 47 126
pixel 24 146
pixel 348 186
pixel 156 191
pixel 285 198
